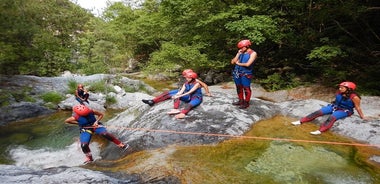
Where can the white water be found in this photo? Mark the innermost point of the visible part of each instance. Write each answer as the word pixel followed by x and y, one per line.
pixel 51 166
pixel 70 156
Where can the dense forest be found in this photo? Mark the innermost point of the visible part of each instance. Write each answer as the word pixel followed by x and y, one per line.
pixel 297 41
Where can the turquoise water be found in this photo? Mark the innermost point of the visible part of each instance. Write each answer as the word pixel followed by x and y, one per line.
pixel 300 165
pixel 50 141
pixel 39 133
pixel 36 133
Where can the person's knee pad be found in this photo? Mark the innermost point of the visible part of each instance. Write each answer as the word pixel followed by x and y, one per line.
pixel 107 136
pixel 313 115
pixel 330 120
pixel 239 89
pixel 85 147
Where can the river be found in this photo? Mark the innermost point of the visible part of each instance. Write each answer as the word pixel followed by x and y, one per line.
pixel 46 142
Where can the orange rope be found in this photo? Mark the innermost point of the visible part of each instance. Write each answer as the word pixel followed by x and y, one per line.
pixel 245 137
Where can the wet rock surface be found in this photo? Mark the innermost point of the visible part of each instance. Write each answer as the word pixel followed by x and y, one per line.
pixel 62 175
pixel 152 127
pixel 216 115
pixel 145 127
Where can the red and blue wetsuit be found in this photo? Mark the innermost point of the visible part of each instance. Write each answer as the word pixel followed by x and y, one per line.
pixel 86 130
pixel 165 96
pixel 341 108
pixel 243 76
pixel 192 100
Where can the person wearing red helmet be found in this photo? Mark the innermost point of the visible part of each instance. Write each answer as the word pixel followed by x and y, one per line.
pixel 190 93
pixel 88 121
pixel 81 94
pixel 242 72
pixel 169 94
pixel 346 99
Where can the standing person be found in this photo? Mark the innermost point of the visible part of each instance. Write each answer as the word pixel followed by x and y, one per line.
pixel 169 94
pixel 346 99
pixel 81 94
pixel 190 93
pixel 88 123
pixel 242 72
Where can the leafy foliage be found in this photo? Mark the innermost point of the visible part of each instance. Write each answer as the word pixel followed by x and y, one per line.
pixel 312 41
pixel 171 56
pixel 38 43
pixel 110 100
pixel 277 81
pixel 257 28
pixel 325 53
pixel 72 86
pixel 100 86
pixel 52 97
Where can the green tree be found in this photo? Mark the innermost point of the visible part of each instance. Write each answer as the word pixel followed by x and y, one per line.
pixel 173 57
pixel 38 37
pixel 312 41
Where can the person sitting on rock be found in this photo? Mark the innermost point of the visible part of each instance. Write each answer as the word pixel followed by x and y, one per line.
pixel 190 93
pixel 168 94
pixel 346 99
pixel 89 124
pixel 81 94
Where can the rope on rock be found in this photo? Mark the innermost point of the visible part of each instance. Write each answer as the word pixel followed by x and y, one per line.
pixel 244 137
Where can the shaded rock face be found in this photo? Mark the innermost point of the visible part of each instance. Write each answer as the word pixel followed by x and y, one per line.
pixel 21 111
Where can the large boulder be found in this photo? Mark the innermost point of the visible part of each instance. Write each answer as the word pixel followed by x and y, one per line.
pixel 147 127
pixel 22 110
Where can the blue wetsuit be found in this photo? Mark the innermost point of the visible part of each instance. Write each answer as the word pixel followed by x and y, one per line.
pixel 243 77
pixel 86 131
pixel 192 100
pixel 341 108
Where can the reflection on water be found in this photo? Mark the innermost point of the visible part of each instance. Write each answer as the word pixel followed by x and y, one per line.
pixel 42 132
pixel 289 163
pixel 47 142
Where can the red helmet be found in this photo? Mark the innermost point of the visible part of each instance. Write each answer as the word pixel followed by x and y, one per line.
pixel 186 71
pixel 192 75
pixel 81 110
pixel 349 85
pixel 243 43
